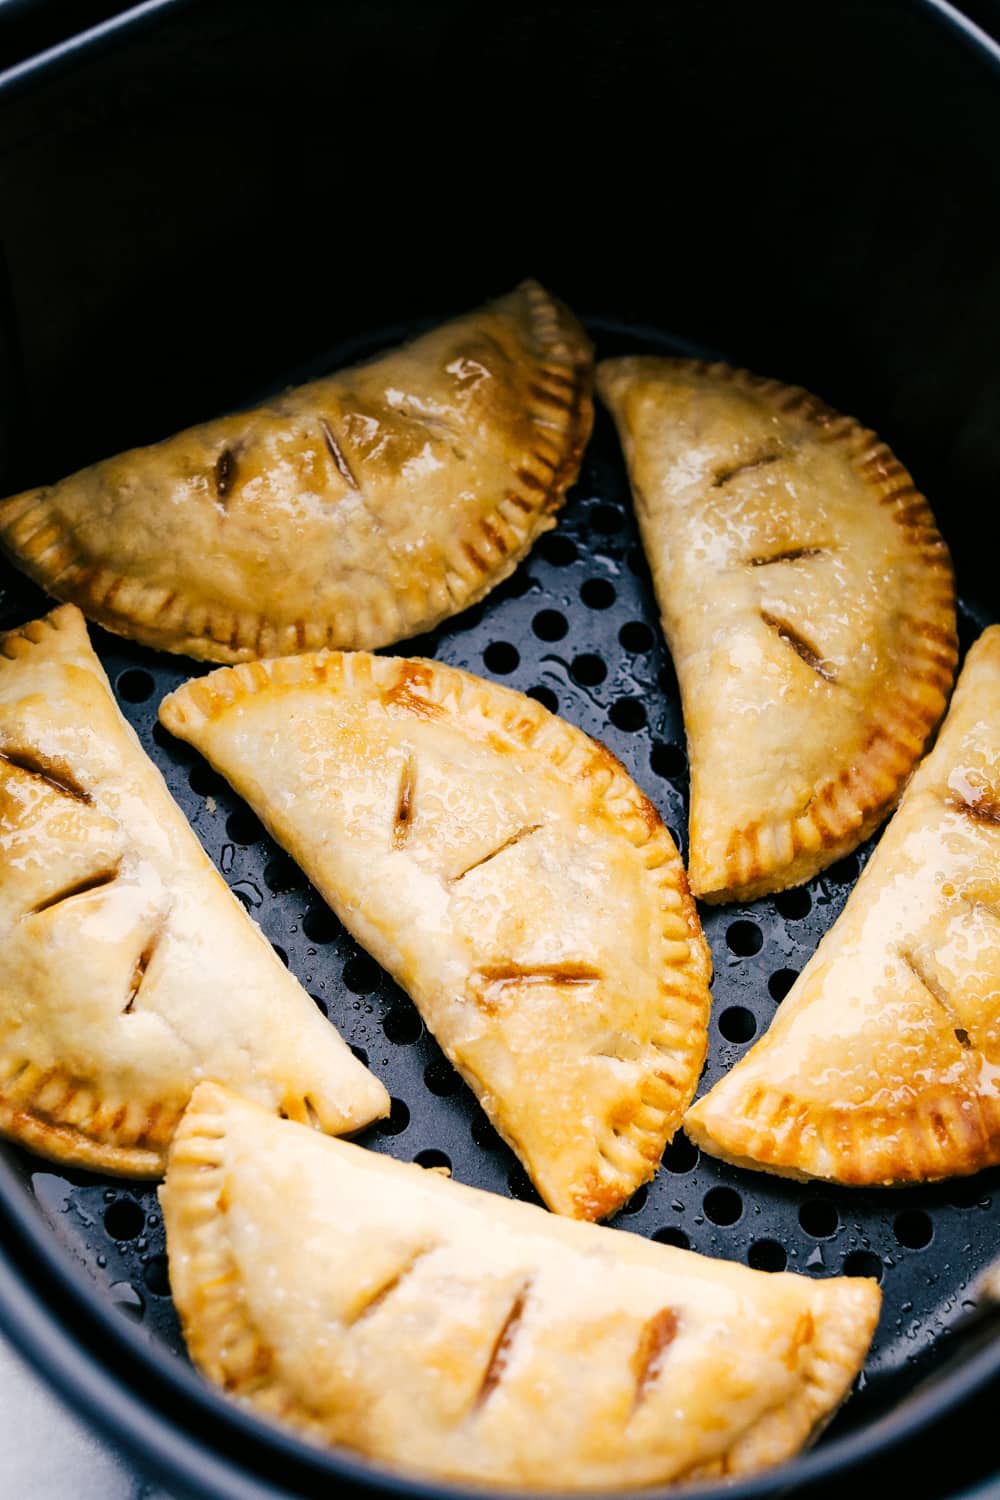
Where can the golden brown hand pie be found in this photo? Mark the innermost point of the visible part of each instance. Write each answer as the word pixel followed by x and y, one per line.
pixel 353 511
pixel 883 1064
pixel 464 1336
pixel 129 971
pixel 509 875
pixel 808 602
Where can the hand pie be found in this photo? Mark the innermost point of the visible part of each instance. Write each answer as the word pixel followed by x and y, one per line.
pixel 808 601
pixel 129 970
pixel 883 1065
pixel 353 511
pixel 509 875
pixel 463 1336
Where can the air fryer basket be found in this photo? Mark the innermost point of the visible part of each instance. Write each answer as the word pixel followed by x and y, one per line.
pixel 199 216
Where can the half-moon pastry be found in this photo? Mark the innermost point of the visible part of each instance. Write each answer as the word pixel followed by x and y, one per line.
pixel 129 971
pixel 462 1336
pixel 510 876
pixel 352 511
pixel 808 602
pixel 883 1063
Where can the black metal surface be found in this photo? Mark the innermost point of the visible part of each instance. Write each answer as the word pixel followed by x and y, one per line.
pixel 813 190
pixel 576 627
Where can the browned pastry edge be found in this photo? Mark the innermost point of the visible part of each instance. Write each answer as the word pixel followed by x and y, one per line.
pixel 939 1135
pixel 632 1147
pixel 772 854
pixel 481 556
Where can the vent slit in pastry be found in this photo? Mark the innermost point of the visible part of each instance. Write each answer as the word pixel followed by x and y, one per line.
pixel 882 1065
pixel 373 503
pixel 224 474
pixel 502 1345
pixel 338 455
pixel 788 554
pixel 786 775
pixel 34 764
pixel 800 646
pixel 976 803
pixel 515 838
pixel 528 1351
pixel 405 798
pixel 536 906
pixel 79 887
pixel 655 1339
pixel 724 476
pixel 129 968
pixel 371 1303
pixel 142 964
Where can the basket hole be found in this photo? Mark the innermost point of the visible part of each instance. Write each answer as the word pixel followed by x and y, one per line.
pixel 550 625
pixel 671 1235
pixel 546 697
pixel 124 1219
pixel 780 983
pixel 598 593
pixel 965 1193
pixel 913 1229
pixel 203 780
pixel 166 741
pixel 282 874
pixel 668 761
pixel 680 1156
pixel 397 1119
pixel 243 827
pixel 501 657
pixel 402 1025
pixel 558 550
pixel 637 1202
pixel 441 1078
pixel 320 925
pixel 723 1205
pixel 863 1263
pixel 359 1052
pixel 794 905
pixel 636 637
pixel 737 1024
pixel 845 870
pixel 485 1137
pixel 155 1276
pixel 628 714
pixel 607 518
pixel 280 953
pixel 588 670
pixel 136 685
pixel 744 938
pixel 767 1255
pixel 362 974
pixel 322 1007
pixel 433 1158
pixel 819 1218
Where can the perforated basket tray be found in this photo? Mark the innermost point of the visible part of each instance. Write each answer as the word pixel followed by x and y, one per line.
pixel 576 627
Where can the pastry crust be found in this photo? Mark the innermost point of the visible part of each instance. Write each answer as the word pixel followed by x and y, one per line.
pixel 809 605
pixel 510 876
pixel 130 972
pixel 883 1064
pixel 458 1335
pixel 353 511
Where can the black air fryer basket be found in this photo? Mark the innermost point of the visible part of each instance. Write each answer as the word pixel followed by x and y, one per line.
pixel 206 202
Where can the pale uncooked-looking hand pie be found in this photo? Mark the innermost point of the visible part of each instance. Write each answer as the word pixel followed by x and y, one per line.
pixel 130 972
pixel 459 1335
pixel 352 511
pixel 808 602
pixel 510 876
pixel 883 1064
